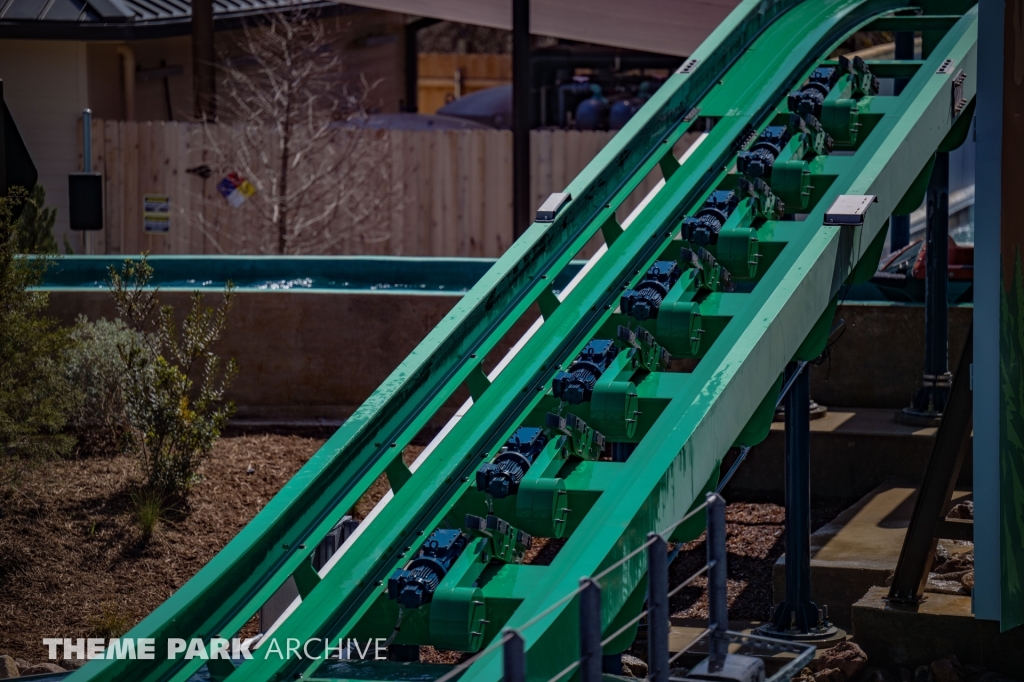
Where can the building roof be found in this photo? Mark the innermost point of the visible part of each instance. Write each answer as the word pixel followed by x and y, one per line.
pixel 671 27
pixel 130 19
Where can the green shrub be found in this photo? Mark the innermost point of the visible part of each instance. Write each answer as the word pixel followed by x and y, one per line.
pixel 35 226
pixel 94 366
pixel 150 507
pixel 35 396
pixel 174 382
pixel 109 623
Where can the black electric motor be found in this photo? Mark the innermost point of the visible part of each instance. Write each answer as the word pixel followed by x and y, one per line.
pixel 577 385
pixel 758 162
pixel 643 302
pixel 502 477
pixel 703 228
pixel 808 99
pixel 414 585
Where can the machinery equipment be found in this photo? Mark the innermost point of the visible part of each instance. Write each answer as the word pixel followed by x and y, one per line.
pixel 757 289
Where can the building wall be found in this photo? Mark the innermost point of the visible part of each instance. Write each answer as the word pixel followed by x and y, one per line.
pixel 47 84
pixel 151 96
pixel 46 88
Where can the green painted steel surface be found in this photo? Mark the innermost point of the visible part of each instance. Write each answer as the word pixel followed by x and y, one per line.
pixel 688 419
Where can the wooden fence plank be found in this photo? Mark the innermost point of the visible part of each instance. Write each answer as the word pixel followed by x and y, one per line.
pixel 113 181
pixel 450 192
pixel 99 238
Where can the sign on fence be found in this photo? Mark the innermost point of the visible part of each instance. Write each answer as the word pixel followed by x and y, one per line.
pixel 156 213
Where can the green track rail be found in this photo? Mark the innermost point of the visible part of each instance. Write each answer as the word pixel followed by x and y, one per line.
pixel 735 85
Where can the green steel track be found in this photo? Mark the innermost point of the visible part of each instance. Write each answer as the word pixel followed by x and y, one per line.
pixel 687 420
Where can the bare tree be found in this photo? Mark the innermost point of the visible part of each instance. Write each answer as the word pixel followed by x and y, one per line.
pixel 293 125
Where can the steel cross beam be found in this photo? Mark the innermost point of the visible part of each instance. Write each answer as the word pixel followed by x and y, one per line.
pixel 740 79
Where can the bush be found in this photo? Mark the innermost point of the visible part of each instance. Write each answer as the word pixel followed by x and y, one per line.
pixel 174 382
pixel 35 226
pixel 35 396
pixel 149 507
pixel 95 367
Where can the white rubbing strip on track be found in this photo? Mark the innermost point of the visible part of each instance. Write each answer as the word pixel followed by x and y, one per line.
pixel 493 374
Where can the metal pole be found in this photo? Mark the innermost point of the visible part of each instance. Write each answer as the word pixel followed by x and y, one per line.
pixel 87 140
pixel 952 442
pixel 590 630
pixel 930 399
pixel 899 225
pixel 87 164
pixel 798 611
pixel 521 102
pixel 514 657
pixel 412 29
pixel 718 605
pixel 204 76
pixel 657 608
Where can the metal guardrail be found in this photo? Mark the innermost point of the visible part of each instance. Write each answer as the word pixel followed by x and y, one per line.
pixel 718 636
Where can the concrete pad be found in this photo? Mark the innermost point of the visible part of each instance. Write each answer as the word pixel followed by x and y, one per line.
pixel 900 635
pixel 857 550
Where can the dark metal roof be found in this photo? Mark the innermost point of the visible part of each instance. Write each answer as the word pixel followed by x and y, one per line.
pixel 133 19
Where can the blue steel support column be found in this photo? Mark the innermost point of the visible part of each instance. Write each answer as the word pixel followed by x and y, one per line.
pixel 899 225
pixel 718 605
pixel 514 657
pixel 590 630
pixel 987 282
pixel 657 608
pixel 930 399
pixel 798 610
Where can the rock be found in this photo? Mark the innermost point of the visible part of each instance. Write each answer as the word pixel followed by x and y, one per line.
pixel 633 666
pixel 8 668
pixel 43 669
pixel 937 582
pixel 964 510
pixel 849 658
pixel 957 564
pixel 967 580
pixel 923 674
pixel 72 663
pixel 829 675
pixel 805 675
pixel 945 670
pixel 21 663
pixel 942 555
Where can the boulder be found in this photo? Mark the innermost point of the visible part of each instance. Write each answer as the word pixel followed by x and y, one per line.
pixel 21 663
pixel 829 675
pixel 633 666
pixel 957 564
pixel 964 510
pixel 942 555
pixel 847 657
pixel 967 580
pixel 8 668
pixel 946 670
pixel 43 669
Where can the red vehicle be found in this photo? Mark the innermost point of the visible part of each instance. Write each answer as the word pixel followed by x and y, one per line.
pixel 901 276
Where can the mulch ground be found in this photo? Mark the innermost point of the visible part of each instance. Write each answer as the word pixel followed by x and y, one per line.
pixel 73 562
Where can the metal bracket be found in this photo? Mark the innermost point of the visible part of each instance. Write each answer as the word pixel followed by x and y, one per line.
pixel 849 209
pixel 551 206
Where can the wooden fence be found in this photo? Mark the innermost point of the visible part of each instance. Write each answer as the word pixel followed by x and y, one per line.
pixel 450 191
